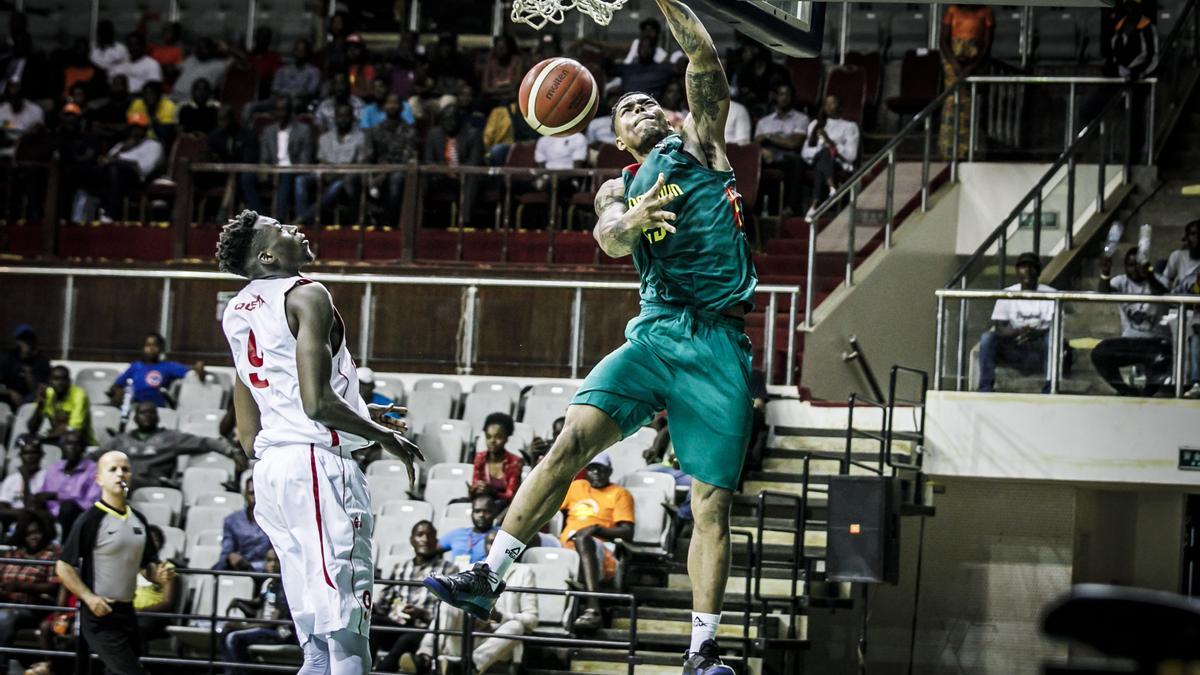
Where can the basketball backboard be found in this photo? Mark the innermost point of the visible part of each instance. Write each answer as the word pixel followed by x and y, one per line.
pixel 791 27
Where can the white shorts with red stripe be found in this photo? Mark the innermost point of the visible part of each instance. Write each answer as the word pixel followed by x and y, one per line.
pixel 313 504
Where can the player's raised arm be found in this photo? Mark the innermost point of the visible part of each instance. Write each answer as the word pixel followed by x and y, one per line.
pixel 707 88
pixel 618 226
pixel 310 316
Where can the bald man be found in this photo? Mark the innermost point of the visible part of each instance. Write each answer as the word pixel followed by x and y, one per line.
pixel 106 549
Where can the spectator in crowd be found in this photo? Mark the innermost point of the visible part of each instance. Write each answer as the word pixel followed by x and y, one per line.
pixel 453 144
pixel 737 124
pixel 1135 42
pixel 74 147
pixel 781 135
pixel 540 447
pixel 343 144
pixel 502 72
pixel 110 115
pixel 468 545
pixel 198 115
pixel 270 604
pixel 339 94
pixel 674 104
pixel 506 125
pixel 448 66
pixel 757 77
pixel 372 112
pixel 644 73
pixel 263 60
pixel 154 595
pixel 159 109
pixel 561 152
pixel 359 70
pixel 1020 334
pixel 514 614
pixel 366 388
pixel 204 63
pixel 410 606
pixel 78 68
pixel 244 546
pixel 497 471
pixel 966 45
pixel 299 80
pixel 598 512
pixel 169 52
pixel 24 368
pixel 18 116
pixel 63 406
pixel 548 47
pixel 126 167
pixel 336 46
pixel 831 148
pixel 106 51
pixel 402 78
pixel 20 488
pixel 105 550
pixel 230 143
pixel 1144 341
pixel 649 33
pixel 140 67
pixel 391 142
pixel 154 450
pixel 282 143
pixel 69 485
pixel 600 129
pixel 27 66
pixel 1183 277
pixel 32 539
pixel 151 375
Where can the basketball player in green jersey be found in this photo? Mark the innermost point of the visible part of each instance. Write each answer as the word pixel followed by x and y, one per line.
pixel 678 212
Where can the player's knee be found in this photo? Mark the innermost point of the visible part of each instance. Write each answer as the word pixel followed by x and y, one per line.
pixel 570 452
pixel 710 507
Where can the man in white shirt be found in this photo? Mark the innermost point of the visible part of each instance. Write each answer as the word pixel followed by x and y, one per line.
pixel 781 135
pixel 18 116
pixel 106 51
pixel 650 31
pixel 1144 341
pixel 556 153
pixel 204 63
pixel 140 68
pixel 831 149
pixel 125 168
pixel 737 125
pixel 19 488
pixel 1183 276
pixel 1020 331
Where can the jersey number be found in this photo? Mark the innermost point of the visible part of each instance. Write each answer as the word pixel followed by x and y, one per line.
pixel 256 360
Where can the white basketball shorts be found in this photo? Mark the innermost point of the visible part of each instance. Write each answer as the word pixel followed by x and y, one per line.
pixel 314 506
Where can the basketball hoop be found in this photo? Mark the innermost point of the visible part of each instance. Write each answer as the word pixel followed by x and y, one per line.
pixel 538 13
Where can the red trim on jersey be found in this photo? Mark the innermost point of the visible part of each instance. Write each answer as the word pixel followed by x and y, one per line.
pixel 633 169
pixel 333 438
pixel 312 463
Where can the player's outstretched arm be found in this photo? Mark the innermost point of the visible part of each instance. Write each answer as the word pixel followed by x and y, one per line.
pixel 707 88
pixel 310 316
pixel 249 420
pixel 618 226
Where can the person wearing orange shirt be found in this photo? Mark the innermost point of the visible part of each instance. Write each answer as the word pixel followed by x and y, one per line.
pixel 598 512
pixel 966 44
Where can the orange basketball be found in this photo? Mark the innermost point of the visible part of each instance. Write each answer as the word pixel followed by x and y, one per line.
pixel 558 97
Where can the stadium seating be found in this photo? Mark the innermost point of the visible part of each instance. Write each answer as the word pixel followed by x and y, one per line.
pixel 1057 38
pixel 439 493
pixel 443 440
pixel 202 557
pixel 396 526
pixel 508 387
pixel 650 524
pixel 652 480
pixel 174 538
pixel 20 424
pixel 216 499
pixel 204 538
pixel 553 389
pixel 105 420
pixel 541 411
pixel 454 516
pixel 96 381
pixel 213 460
pixel 920 79
pixel 908 31
pixel 196 395
pixel 451 471
pixel 201 479
pixel 172 498
pixel 168 418
pixel 626 455
pixel 156 513
pixel 201 518
pixel 427 406
pixel 443 385
pixel 391 386
pixel 481 404
pixel 413 509
pixel 387 486
pixel 202 422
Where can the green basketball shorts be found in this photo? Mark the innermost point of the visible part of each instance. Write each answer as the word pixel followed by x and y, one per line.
pixel 693 363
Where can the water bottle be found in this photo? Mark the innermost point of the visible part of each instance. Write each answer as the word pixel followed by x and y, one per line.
pixel 1143 253
pixel 1114 238
pixel 126 404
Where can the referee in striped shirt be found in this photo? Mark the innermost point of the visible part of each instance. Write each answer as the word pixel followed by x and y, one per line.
pixel 107 547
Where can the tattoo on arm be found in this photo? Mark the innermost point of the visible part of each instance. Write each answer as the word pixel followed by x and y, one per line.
pixel 689 32
pixel 614 240
pixel 706 89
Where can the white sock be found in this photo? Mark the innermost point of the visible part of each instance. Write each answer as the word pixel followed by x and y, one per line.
pixel 704 627
pixel 505 549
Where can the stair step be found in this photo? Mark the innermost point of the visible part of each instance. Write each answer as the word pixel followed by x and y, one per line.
pixel 753 487
pixel 648 663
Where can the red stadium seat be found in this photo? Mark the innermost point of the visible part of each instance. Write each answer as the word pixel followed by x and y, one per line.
pixel 920 78
pixel 806 76
pixel 849 84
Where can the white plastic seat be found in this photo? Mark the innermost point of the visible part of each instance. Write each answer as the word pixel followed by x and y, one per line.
pixel 201 518
pixel 385 486
pixel 174 537
pixel 168 418
pixel 541 411
pixel 552 609
pixel 649 517
pixel 454 516
pixel 409 508
pixel 204 557
pixel 201 479
pixel 509 388
pixel 560 389
pixel 20 424
pixel 443 385
pixel 439 493
pixel 425 407
pixel 96 381
pixel 451 471
pixel 392 467
pixel 202 422
pixel 223 498
pixel 662 482
pixel 51 454
pixel 158 495
pixel 559 557
pixel 397 527
pixel 481 404
pixel 443 440
pixel 205 538
pixel 626 454
pixel 213 460
pixel 197 395
pixel 157 513
pixel 392 385
pixel 104 419
pixel 229 588
pixel 556 524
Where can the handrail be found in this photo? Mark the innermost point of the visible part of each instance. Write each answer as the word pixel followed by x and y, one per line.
pixel 1001 230
pixel 1069 296
pixel 1056 79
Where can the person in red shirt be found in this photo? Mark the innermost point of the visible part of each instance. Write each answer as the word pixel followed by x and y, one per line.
pixel 32 539
pixel 358 66
pixel 497 471
pixel 169 52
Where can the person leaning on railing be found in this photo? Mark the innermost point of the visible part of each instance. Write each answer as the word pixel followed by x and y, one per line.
pixel 1020 332
pixel 1144 341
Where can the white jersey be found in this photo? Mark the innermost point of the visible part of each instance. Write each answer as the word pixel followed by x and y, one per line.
pixel 264 353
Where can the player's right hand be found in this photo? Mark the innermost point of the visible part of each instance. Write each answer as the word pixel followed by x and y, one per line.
pixel 98 605
pixel 406 451
pixel 648 213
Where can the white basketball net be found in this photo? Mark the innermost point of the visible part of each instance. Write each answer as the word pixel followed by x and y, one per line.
pixel 538 13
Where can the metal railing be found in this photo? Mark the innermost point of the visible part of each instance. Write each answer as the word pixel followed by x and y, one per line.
pixel 469 316
pixel 468 632
pixel 1054 353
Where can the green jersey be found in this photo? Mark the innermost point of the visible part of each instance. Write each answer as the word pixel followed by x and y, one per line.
pixel 707 263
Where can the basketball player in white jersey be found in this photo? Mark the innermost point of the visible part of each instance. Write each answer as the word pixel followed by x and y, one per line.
pixel 299 412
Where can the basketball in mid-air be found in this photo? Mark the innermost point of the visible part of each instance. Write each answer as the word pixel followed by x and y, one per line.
pixel 558 97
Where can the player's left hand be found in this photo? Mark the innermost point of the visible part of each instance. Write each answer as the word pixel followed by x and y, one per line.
pixel 379 415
